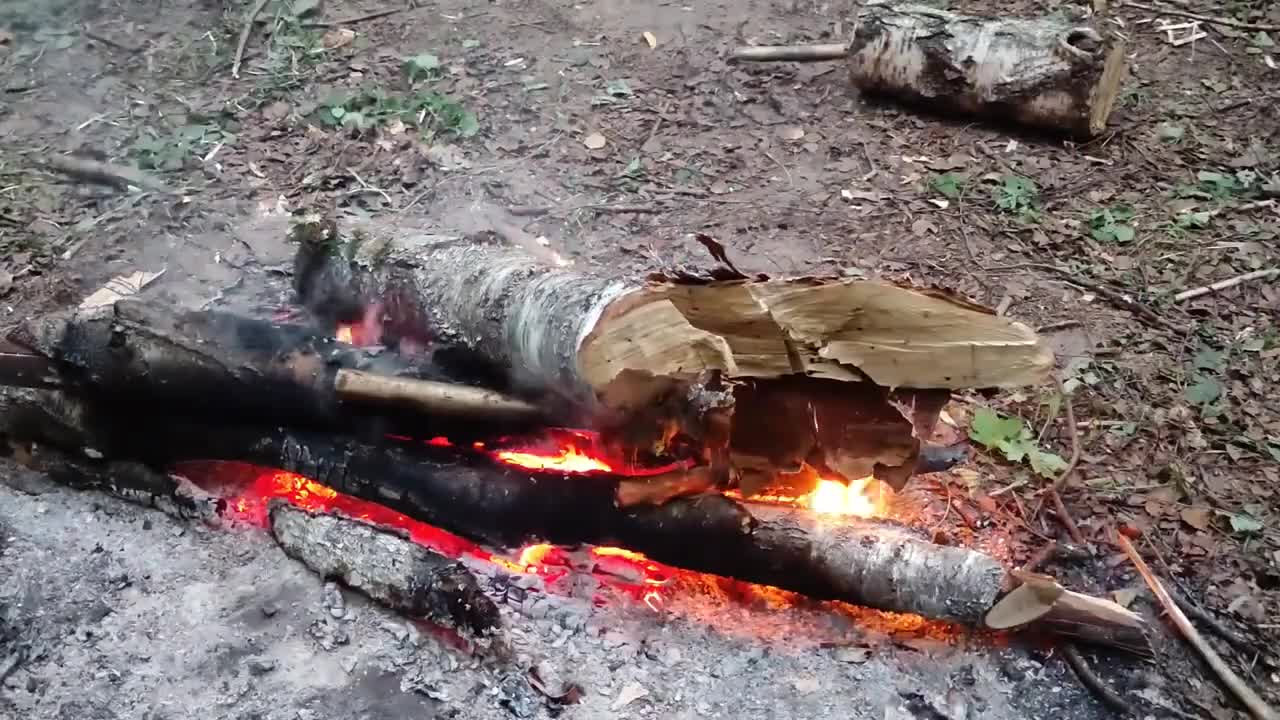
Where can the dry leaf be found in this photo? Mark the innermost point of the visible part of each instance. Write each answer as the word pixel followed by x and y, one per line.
pixel 1196 517
pixel 791 133
pixel 853 654
pixel 1124 598
pixel 594 141
pixel 337 38
pixel 119 287
pixel 649 38
pixel 630 693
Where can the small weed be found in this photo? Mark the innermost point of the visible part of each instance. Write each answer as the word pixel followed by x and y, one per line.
pixel 1110 225
pixel 171 152
pixel 429 111
pixel 615 91
pixel 949 185
pixel 1011 437
pixel 1018 195
pixel 1221 187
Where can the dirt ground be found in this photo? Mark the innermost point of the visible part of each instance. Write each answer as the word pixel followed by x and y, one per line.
pixel 561 122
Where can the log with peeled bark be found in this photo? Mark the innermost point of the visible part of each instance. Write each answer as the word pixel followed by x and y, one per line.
pixel 1046 72
pixel 856 370
pixel 876 563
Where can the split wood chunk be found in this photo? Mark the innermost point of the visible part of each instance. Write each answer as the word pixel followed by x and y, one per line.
pixel 385 565
pixel 1042 72
pixel 645 360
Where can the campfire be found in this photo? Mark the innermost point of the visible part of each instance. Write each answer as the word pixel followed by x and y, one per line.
pixel 450 401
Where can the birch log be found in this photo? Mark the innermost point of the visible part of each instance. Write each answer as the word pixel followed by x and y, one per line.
pixel 1042 72
pixel 1046 72
pixel 635 355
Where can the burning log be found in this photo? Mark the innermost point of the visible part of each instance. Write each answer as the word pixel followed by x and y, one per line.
pixel 1045 72
pixel 876 563
pixel 386 566
pixel 856 370
pixel 238 368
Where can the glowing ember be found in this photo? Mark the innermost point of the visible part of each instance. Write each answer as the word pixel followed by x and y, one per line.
pixel 568 459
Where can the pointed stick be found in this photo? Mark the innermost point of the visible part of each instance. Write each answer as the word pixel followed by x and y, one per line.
pixel 1256 705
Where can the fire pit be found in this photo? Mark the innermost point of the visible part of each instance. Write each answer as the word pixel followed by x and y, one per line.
pixel 422 429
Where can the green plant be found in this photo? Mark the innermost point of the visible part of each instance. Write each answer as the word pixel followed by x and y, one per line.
pixel 1019 196
pixel 1221 187
pixel 948 185
pixel 429 111
pixel 1011 437
pixel 1111 224
pixel 170 152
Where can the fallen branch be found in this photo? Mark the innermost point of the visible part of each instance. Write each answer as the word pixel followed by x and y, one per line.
pixel 118 176
pixel 1225 22
pixel 430 396
pixel 1228 283
pixel 1255 704
pixel 384 565
pixel 794 53
pixel 244 36
pixel 353 20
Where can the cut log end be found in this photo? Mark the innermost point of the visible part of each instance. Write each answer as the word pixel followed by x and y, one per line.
pixel 1107 91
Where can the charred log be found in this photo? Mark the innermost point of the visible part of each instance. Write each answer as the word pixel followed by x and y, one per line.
pixel 876 563
pixel 386 566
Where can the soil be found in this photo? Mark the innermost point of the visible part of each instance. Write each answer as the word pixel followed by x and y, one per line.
pixel 560 124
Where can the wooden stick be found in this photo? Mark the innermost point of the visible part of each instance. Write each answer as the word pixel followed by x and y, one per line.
pixel 244 37
pixel 1225 22
pixel 106 173
pixel 1256 705
pixel 1228 283
pixel 794 53
pixel 1087 677
pixel 353 20
pixel 429 396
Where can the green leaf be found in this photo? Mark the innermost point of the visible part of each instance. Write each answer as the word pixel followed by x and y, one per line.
pixel 1209 359
pixel 1046 464
pixel 1170 133
pixel 424 65
pixel 993 429
pixel 337 111
pixel 618 88
pixel 948 185
pixel 1245 524
pixel 468 124
pixel 1122 233
pixel 1195 220
pixel 1203 392
pixel 470 43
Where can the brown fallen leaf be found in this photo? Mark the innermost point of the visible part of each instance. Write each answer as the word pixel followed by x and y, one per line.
pixel 337 38
pixel 594 141
pixel 1197 517
pixel 631 692
pixel 650 38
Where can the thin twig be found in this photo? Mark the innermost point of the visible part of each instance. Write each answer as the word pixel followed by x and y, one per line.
pixel 1225 22
pixel 1255 704
pixel 1228 283
pixel 113 43
pixel 1118 298
pixel 1090 680
pixel 1235 639
pixel 353 20
pixel 1041 556
pixel 244 37
pixel 1073 434
pixel 1065 518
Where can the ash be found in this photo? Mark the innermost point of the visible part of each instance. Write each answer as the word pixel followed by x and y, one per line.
pixel 108 610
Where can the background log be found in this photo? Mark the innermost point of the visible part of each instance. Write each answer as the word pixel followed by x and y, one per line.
pixel 1043 72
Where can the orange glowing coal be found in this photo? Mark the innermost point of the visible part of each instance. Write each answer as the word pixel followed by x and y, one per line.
pixel 860 498
pixel 567 459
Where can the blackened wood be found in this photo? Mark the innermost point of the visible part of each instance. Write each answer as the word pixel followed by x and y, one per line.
pixel 385 565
